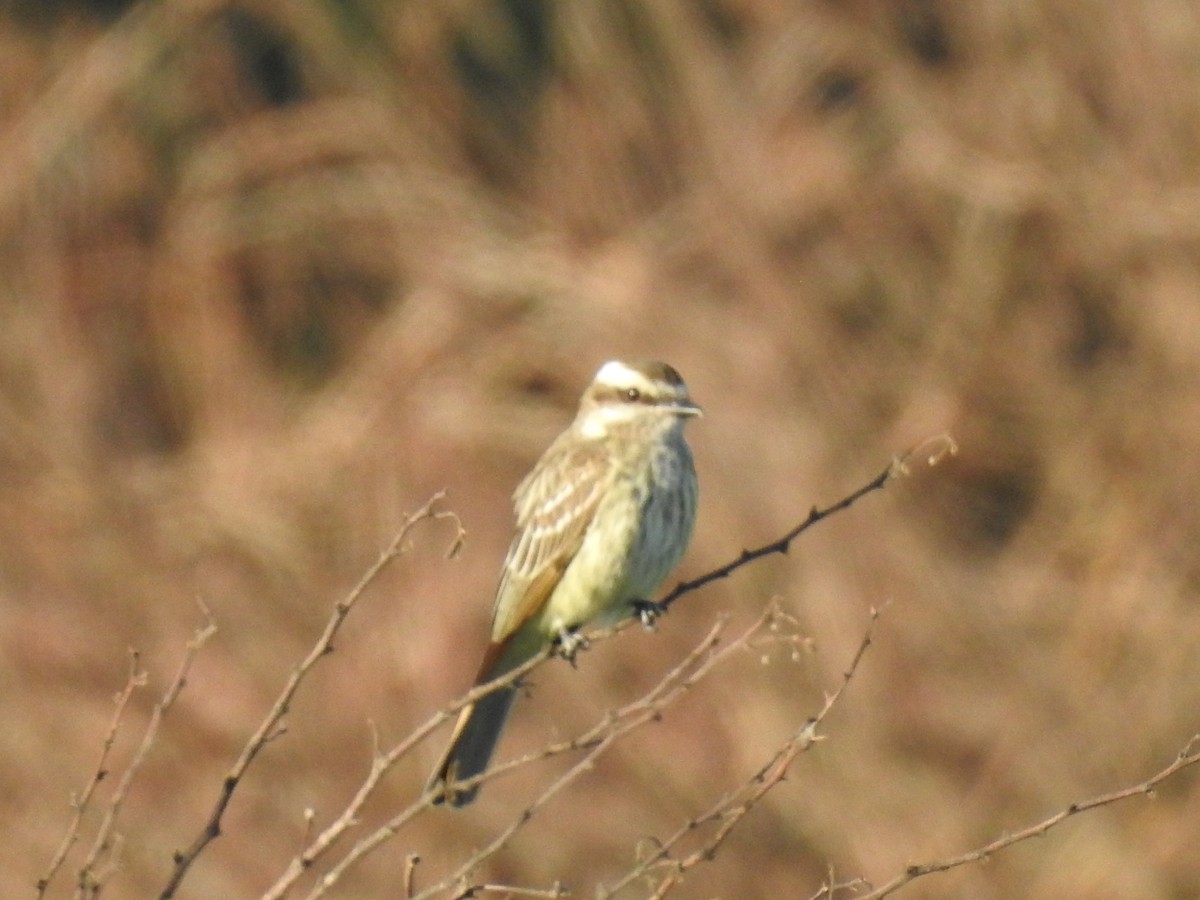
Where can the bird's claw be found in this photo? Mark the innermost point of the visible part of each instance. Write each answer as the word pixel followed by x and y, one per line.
pixel 648 612
pixel 570 642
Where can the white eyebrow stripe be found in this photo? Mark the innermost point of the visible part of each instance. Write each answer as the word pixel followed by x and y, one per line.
pixel 616 374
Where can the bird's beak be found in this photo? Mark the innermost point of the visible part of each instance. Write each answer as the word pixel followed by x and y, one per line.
pixel 687 409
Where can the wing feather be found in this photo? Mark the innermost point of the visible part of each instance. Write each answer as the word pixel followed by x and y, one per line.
pixel 555 504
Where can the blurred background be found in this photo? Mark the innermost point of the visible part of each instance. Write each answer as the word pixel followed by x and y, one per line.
pixel 273 272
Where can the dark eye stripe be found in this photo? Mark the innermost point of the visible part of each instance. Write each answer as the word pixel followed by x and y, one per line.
pixel 627 395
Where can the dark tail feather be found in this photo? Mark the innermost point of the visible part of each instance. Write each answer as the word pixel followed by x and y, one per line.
pixel 475 736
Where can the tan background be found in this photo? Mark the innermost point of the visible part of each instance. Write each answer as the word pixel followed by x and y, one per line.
pixel 271 273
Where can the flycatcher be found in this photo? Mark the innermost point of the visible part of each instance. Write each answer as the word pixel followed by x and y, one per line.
pixel 602 519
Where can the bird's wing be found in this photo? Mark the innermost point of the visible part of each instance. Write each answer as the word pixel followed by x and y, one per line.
pixel 555 504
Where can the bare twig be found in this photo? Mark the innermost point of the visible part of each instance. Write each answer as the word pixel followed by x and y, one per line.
pixel 595 742
pixel 553 892
pixel 270 725
pixel 728 811
pixel 381 764
pixel 410 874
pixel 832 887
pixel 1188 756
pixel 79 804
pixel 933 449
pixel 91 874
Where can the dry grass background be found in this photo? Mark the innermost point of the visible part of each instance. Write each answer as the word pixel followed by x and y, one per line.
pixel 271 273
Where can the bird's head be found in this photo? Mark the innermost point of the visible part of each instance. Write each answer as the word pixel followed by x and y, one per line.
pixel 627 392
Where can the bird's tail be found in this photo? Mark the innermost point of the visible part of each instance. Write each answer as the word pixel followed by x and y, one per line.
pixel 479 725
pixel 471 745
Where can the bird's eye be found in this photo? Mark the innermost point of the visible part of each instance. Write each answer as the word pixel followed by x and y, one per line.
pixel 633 395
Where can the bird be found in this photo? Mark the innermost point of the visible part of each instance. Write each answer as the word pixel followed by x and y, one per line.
pixel 601 520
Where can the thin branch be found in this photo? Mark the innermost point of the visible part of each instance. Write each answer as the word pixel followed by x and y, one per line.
pixel 596 741
pixel 553 892
pixel 832 887
pixel 270 725
pixel 135 679
pixel 934 450
pixel 91 878
pixel 1188 756
pixel 410 874
pixel 729 810
pixel 381 764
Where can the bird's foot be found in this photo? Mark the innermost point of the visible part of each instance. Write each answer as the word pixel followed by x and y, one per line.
pixel 570 642
pixel 648 612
